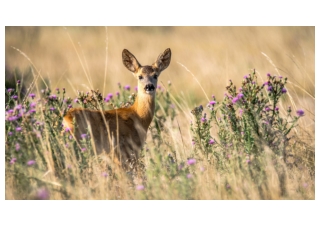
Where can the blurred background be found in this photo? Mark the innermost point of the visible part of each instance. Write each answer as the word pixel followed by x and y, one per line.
pixel 72 57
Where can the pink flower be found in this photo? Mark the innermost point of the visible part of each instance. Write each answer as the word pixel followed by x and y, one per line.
pixel 191 161
pixel 31 162
pixel 140 187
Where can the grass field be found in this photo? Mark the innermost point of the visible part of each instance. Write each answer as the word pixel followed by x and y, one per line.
pixel 178 163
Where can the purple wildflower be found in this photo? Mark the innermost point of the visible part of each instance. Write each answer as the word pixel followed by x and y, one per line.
pixel 245 77
pixel 12 118
pixel 305 185
pixel 18 107
pixel 172 106
pixel 10 111
pixel 83 136
pixel 203 120
pixel 228 186
pixel 17 146
pixel 240 95
pixel 18 82
pixel 280 77
pixel 104 174
pixel 211 141
pixel 18 129
pixel 43 194
pixel 300 113
pixel 110 95
pixel 76 100
pixel 266 83
pixel 13 161
pixel 31 162
pixel 107 99
pixel 67 129
pixel 69 106
pixel 234 100
pixel 284 90
pixel 267 108
pixel 140 187
pixel 202 168
pixel 83 149
pixel 33 105
pixel 269 88
pixel 277 108
pixel 32 95
pixel 136 88
pixel 193 143
pixel 53 97
pixel 10 133
pixel 189 176
pixel 15 97
pixel 127 87
pixel 10 90
pixel 212 103
pixel 191 162
pixel 52 109
pixel 118 94
pixel 268 74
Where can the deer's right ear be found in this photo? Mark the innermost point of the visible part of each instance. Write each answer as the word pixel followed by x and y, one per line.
pixel 129 61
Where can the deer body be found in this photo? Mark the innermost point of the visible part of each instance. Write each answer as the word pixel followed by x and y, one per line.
pixel 123 131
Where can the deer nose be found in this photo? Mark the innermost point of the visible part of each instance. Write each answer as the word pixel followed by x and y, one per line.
pixel 149 87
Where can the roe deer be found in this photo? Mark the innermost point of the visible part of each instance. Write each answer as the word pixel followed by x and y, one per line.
pixel 122 131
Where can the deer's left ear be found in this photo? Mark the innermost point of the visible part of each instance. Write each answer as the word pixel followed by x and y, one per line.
pixel 163 60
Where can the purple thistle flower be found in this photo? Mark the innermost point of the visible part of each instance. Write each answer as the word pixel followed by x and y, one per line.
pixel 305 185
pixel 228 186
pixel 17 146
pixel 211 141
pixel 52 109
pixel 203 120
pixel 76 100
pixel 10 90
pixel 10 111
pixel 266 83
pixel 33 105
pixel 212 103
pixel 15 97
pixel 269 88
pixel 104 174
pixel 240 95
pixel 83 136
pixel 69 106
pixel 18 129
pixel 284 90
pixel 267 109
pixel 83 149
pixel 300 113
pixel 18 107
pixel 189 176
pixel 107 99
pixel 110 95
pixel 67 129
pixel 13 161
pixel 18 82
pixel 202 168
pixel 118 94
pixel 268 75
pixel 245 77
pixel 43 194
pixel 277 108
pixel 127 87
pixel 172 106
pixel 10 133
pixel 234 100
pixel 136 88
pixel 53 97
pixel 140 187
pixel 193 143
pixel 12 118
pixel 280 77
pixel 32 95
pixel 31 162
pixel 191 162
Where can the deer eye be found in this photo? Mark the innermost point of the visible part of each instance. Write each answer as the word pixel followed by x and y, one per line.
pixel 155 76
pixel 140 77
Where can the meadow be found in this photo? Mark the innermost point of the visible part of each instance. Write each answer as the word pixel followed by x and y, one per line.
pixel 235 113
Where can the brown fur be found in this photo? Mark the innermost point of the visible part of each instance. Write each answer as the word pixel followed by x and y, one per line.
pixel 121 132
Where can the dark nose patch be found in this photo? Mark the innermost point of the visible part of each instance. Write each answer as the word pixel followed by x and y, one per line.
pixel 149 87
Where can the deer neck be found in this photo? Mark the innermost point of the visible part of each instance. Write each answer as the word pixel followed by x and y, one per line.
pixel 144 106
